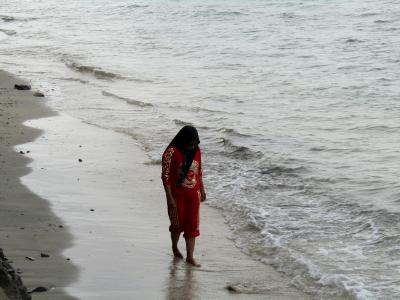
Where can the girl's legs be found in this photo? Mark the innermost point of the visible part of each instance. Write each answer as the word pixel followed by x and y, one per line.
pixel 190 243
pixel 175 239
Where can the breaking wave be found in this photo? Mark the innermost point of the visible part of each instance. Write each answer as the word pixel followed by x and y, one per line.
pixel 96 72
pixel 239 152
pixel 8 32
pixel 182 123
pixel 127 100
pixel 279 170
pixel 233 132
pixel 6 18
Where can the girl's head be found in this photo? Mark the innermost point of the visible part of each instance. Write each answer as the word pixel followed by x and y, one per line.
pixel 187 139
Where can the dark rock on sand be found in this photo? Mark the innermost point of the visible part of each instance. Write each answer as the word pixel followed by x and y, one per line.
pixel 80 159
pixel 2 256
pixel 30 258
pixel 232 288
pixel 38 94
pixel 44 255
pixel 39 289
pixel 22 87
pixel 10 281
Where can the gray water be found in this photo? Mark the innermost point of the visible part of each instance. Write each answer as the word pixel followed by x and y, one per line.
pixel 296 102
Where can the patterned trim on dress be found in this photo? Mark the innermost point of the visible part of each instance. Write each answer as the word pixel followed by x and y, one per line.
pixel 166 163
pixel 191 177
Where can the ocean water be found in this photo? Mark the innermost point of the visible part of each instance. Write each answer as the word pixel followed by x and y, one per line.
pixel 296 102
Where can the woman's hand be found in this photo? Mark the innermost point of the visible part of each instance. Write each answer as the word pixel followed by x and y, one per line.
pixel 203 195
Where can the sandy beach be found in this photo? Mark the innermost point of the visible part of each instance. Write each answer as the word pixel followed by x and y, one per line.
pixel 28 227
pixel 87 197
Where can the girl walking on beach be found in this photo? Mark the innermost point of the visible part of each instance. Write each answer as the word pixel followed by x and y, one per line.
pixel 183 184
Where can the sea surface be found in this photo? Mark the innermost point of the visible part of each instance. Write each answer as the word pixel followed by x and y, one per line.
pixel 297 104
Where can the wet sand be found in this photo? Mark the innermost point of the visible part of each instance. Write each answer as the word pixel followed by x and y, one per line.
pixel 112 209
pixel 28 226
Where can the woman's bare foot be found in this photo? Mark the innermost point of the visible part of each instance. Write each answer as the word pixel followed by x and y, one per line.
pixel 176 252
pixel 193 262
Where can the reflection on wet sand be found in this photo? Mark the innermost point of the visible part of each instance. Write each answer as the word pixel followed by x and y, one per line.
pixel 181 284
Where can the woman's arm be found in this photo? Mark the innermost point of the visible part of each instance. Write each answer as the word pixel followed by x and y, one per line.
pixel 170 199
pixel 167 162
pixel 202 190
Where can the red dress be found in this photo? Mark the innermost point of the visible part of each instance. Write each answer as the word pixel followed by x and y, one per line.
pixel 187 196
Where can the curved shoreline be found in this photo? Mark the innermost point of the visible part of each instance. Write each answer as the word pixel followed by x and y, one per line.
pixel 28 226
pixel 113 209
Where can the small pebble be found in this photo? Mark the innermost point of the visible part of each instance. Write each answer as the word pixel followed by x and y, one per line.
pixel 232 289
pixel 38 94
pixel 22 87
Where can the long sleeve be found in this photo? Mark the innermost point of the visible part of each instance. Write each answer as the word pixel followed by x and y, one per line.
pixel 200 171
pixel 200 166
pixel 166 166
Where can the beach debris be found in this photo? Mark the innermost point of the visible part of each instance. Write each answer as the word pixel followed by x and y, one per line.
pixel 39 289
pixel 92 209
pixel 22 87
pixel 80 160
pixel 232 288
pixel 10 271
pixel 44 255
pixel 2 256
pixel 11 281
pixel 38 94
pixel 21 152
pixel 30 258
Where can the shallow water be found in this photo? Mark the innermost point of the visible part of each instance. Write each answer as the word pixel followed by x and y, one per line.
pixel 295 102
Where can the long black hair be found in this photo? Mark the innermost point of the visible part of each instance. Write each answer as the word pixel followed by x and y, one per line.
pixel 186 136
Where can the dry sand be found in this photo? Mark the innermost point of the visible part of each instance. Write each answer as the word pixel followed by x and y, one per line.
pixel 113 204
